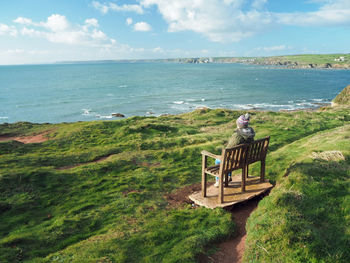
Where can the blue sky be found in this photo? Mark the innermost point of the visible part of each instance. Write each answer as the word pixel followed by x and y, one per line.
pixel 42 31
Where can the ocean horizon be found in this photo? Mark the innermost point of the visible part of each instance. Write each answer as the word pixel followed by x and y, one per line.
pixel 95 91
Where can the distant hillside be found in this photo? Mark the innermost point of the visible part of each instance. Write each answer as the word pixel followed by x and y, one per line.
pixel 337 61
pixel 343 97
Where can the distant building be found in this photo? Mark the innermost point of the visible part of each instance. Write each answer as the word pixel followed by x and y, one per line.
pixel 340 59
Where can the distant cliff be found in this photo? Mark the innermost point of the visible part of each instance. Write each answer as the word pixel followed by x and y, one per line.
pixel 328 61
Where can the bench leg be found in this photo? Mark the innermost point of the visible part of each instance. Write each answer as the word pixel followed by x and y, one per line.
pixel 204 184
pixel 244 171
pixel 262 171
pixel 204 177
pixel 221 189
pixel 226 180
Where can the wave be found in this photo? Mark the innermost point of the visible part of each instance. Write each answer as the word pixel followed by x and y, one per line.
pixel 86 111
pixel 195 100
pixel 122 86
pixel 318 100
pixel 178 102
pixel 269 106
pixel 104 116
pixel 3 118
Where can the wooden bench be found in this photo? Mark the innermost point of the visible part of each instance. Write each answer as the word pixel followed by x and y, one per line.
pixel 231 159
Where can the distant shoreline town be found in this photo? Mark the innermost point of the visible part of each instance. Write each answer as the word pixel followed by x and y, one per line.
pixel 321 61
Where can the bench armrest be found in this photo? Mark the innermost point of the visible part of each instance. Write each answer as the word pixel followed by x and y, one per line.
pixel 206 153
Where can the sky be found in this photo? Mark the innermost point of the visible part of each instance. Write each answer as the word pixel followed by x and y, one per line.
pixel 46 31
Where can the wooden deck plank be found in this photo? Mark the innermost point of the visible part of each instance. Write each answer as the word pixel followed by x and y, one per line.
pixel 233 193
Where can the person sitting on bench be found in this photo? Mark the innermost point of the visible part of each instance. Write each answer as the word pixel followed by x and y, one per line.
pixel 243 134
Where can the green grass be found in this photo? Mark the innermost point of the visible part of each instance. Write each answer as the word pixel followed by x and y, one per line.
pixel 306 216
pixel 301 60
pixel 116 210
pixel 343 98
pixel 314 58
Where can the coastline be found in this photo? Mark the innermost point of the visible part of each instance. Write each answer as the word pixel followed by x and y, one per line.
pixel 307 61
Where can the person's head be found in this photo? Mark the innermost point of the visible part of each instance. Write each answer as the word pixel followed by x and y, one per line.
pixel 243 121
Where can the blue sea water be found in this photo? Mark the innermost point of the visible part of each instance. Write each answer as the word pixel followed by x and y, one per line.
pixel 82 92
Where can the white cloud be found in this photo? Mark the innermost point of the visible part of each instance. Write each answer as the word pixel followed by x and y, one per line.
pixel 158 50
pixel 220 21
pixel 129 21
pixel 106 7
pixel 259 4
pixel 98 34
pixel 57 29
pixel 92 22
pixel 331 13
pixel 8 30
pixel 56 23
pixel 22 51
pixel 32 32
pixel 13 51
pixel 142 26
pixel 234 20
pixel 23 21
pixel 273 48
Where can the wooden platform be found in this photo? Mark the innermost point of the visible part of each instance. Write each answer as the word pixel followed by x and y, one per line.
pixel 232 193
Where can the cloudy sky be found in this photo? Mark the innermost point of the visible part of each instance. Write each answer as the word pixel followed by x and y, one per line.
pixel 44 31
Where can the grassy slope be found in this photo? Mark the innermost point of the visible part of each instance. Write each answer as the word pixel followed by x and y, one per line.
pixel 306 216
pixel 302 60
pixel 343 98
pixel 115 210
pixel 313 59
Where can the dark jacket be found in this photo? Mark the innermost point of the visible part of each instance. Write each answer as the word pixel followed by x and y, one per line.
pixel 240 136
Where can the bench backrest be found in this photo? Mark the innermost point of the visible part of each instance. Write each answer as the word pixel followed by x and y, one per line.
pixel 257 150
pixel 233 158
pixel 237 157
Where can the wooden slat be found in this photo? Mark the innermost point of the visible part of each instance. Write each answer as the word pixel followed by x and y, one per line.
pixel 206 153
pixel 213 170
pixel 257 150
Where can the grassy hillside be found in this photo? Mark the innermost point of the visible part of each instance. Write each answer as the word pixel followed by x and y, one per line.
pixel 343 98
pixel 338 61
pixel 116 210
pixel 318 59
pixel 306 216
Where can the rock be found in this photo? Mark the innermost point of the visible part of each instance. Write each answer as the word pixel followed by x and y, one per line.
pixel 119 115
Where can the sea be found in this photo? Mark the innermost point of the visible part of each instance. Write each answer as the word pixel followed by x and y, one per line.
pixel 56 93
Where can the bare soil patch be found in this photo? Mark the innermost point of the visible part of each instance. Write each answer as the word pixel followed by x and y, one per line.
pixel 180 196
pixel 37 138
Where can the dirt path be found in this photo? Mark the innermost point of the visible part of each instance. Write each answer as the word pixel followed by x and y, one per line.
pixel 230 251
